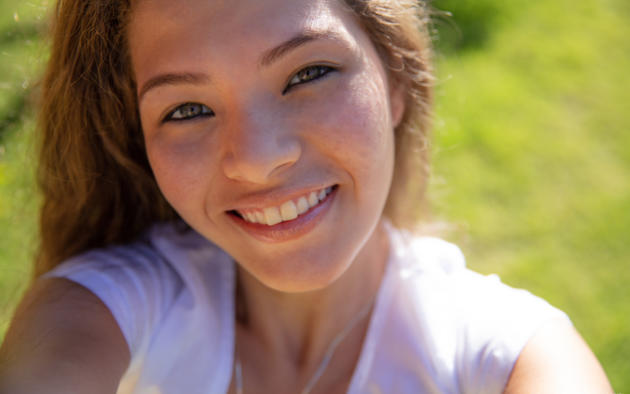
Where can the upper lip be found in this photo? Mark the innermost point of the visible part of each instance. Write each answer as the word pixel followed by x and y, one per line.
pixel 272 198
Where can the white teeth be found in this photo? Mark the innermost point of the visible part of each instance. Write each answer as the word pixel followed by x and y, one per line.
pixel 272 216
pixel 302 205
pixel 288 210
pixel 312 199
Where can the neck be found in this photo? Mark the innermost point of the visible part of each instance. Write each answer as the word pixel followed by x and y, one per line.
pixel 301 326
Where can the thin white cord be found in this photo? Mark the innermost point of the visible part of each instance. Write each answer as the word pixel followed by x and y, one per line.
pixel 331 349
pixel 324 364
pixel 239 376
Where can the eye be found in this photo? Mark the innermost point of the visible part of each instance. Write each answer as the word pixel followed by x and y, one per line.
pixel 188 111
pixel 308 74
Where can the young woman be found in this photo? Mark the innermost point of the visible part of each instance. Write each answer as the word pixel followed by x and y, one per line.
pixel 224 184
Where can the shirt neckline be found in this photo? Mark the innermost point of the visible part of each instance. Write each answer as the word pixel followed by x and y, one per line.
pixel 374 326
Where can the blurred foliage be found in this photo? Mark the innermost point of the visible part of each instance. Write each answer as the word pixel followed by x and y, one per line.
pixel 531 152
pixel 22 54
pixel 532 155
pixel 465 24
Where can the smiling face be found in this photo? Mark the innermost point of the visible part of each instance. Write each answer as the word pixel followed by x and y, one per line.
pixel 269 128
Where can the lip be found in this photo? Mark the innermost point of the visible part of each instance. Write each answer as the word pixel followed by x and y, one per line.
pixel 291 229
pixel 260 201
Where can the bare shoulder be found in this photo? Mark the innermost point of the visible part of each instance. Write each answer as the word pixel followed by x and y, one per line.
pixel 557 360
pixel 62 337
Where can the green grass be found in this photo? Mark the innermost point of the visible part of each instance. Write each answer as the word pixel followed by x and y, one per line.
pixel 532 158
pixel 21 55
pixel 531 154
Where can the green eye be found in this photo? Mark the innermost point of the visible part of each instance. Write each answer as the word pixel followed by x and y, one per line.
pixel 188 111
pixel 308 74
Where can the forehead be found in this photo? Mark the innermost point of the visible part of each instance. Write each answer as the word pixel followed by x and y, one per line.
pixel 161 30
pixel 224 14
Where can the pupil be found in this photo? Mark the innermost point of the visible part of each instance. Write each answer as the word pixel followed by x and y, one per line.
pixel 309 73
pixel 190 110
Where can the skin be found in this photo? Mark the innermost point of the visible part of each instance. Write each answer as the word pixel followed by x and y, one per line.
pixel 268 140
pixel 62 340
pixel 263 143
pixel 557 360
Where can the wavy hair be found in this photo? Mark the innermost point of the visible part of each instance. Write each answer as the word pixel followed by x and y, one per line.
pixel 93 173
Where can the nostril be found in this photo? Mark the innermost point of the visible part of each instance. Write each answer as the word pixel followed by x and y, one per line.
pixel 259 163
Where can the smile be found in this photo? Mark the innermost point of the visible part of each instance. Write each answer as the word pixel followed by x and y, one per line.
pixel 287 211
pixel 288 221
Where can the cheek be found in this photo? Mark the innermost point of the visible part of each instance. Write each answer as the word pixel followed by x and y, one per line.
pixel 181 170
pixel 355 121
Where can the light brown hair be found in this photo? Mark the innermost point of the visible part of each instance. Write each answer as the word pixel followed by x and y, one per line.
pixel 93 173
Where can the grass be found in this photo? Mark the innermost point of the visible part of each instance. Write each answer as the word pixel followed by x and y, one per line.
pixel 531 153
pixel 21 55
pixel 531 158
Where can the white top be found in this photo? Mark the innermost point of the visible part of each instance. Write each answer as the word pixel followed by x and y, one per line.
pixel 437 327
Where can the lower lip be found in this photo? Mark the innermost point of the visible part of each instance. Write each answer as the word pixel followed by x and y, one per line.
pixel 291 229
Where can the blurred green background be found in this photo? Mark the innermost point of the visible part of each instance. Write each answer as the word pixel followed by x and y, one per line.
pixel 531 152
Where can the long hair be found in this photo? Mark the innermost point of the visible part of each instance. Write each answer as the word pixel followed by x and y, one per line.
pixel 93 173
pixel 399 30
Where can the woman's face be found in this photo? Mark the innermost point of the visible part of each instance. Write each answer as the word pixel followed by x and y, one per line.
pixel 269 128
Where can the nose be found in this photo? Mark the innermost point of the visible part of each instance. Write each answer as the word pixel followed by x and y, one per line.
pixel 259 147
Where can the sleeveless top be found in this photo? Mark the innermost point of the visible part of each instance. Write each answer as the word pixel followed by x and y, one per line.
pixel 436 327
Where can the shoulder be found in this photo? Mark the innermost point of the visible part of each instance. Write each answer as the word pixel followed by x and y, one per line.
pixel 139 256
pixel 168 252
pixel 139 282
pixel 120 274
pixel 434 267
pixel 556 359
pixel 476 324
pixel 65 336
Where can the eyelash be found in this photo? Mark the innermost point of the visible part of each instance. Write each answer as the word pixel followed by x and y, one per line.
pixel 202 110
pixel 301 77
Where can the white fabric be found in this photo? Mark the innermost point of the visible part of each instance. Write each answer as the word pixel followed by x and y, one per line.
pixel 437 327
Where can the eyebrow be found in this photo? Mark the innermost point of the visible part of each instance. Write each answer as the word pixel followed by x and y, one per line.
pixel 268 57
pixel 172 79
pixel 274 54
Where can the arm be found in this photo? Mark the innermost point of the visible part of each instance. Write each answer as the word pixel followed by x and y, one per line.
pixel 62 339
pixel 557 360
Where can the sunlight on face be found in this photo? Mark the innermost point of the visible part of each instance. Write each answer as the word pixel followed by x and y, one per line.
pixel 269 128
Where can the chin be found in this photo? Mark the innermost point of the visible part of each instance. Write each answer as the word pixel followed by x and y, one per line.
pixel 300 285
pixel 299 278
